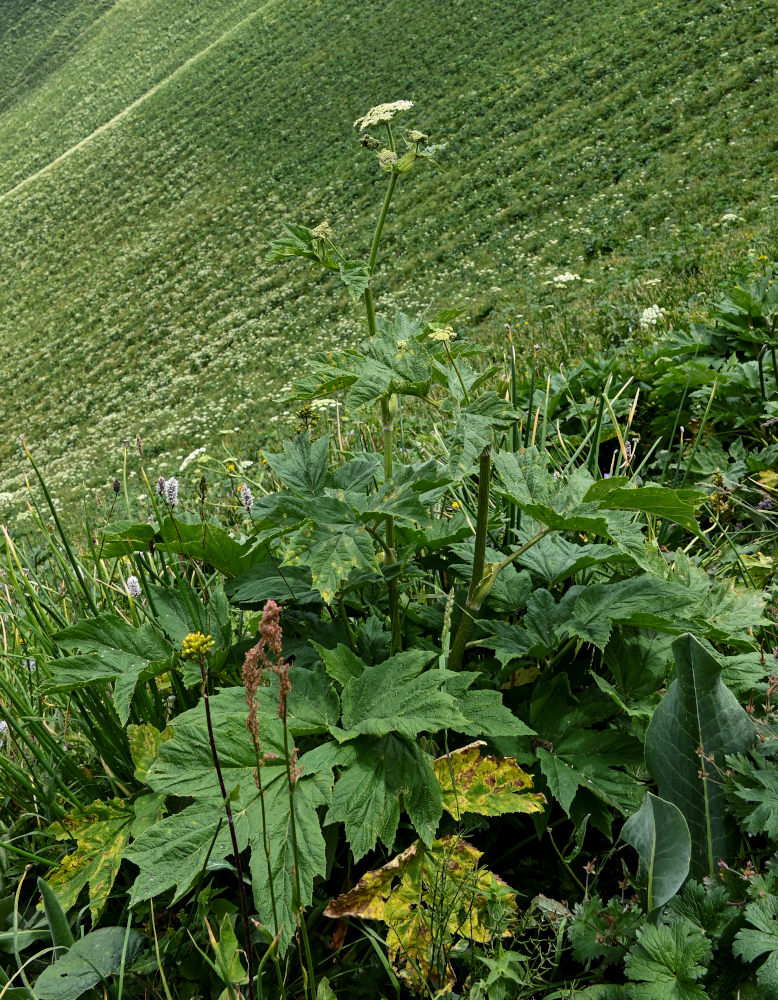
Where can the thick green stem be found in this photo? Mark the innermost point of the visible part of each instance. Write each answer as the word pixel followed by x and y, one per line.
pixel 388 409
pixel 369 305
pixel 473 603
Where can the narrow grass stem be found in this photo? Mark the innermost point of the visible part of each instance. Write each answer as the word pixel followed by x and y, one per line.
pixel 292 784
pixel 231 824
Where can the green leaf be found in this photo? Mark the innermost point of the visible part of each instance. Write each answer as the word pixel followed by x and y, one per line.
pixel 761 938
pixel 123 538
pixel 113 651
pixel 324 991
pixel 526 481
pixel 266 581
pixel 209 543
pixel 273 827
pixel 92 960
pixel 172 853
pixel 299 241
pixel 303 465
pixel 61 934
pixel 400 696
pixel 341 663
pixel 667 962
pixel 671 505
pixel 659 834
pixel 378 776
pixel 695 725
pixel 356 277
pixel 481 784
pixel 145 742
pixel 593 759
pixel 101 832
pixel 753 793
pixel 643 600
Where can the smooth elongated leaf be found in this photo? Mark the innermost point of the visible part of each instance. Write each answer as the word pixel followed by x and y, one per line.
pixel 659 834
pixel 101 832
pixel 695 725
pixel 380 777
pixel 93 959
pixel 482 784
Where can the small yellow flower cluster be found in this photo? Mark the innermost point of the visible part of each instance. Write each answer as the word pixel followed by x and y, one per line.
pixel 195 646
pixel 443 334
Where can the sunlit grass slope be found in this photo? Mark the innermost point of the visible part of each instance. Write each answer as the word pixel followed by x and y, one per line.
pixel 631 144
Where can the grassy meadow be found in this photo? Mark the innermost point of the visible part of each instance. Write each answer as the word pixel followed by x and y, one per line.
pixel 626 144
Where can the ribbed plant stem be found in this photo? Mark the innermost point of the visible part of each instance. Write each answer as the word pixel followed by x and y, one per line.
pixel 473 602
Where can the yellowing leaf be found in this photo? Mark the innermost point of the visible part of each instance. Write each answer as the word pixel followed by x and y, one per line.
pixel 429 897
pixel 101 831
pixel 145 742
pixel 485 785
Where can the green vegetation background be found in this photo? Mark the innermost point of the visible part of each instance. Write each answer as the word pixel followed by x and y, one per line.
pixel 630 143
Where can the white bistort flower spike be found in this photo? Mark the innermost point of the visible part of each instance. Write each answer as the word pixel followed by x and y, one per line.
pixel 132 585
pixel 171 491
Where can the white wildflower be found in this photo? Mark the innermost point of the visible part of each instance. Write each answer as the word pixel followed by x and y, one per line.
pixel 563 279
pixel 171 491
pixel 132 586
pixel 3 731
pixel 382 114
pixel 191 457
pixel 651 316
pixel 730 217
pixel 246 497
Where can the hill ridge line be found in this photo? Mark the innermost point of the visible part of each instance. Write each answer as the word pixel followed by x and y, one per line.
pixel 125 112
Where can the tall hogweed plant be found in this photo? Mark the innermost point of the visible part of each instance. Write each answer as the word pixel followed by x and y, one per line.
pixel 447 711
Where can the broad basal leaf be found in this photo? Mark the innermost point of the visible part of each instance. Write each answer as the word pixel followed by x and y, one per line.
pixel 101 832
pixel 695 725
pixel 481 784
pixel 670 505
pixel 93 959
pixel 380 777
pixel 659 834
pixel 113 650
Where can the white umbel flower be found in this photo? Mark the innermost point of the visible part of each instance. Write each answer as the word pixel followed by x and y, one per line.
pixel 382 114
pixel 651 316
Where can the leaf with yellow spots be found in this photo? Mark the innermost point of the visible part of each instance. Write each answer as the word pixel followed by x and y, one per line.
pixel 428 898
pixel 145 742
pixel 101 832
pixel 475 784
pixel 331 552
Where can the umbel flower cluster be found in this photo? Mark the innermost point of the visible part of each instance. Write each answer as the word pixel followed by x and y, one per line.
pixel 382 114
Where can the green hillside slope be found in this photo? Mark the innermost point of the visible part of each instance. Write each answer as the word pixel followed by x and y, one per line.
pixel 630 143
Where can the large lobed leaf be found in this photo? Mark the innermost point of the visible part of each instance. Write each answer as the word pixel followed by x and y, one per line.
pixel 482 784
